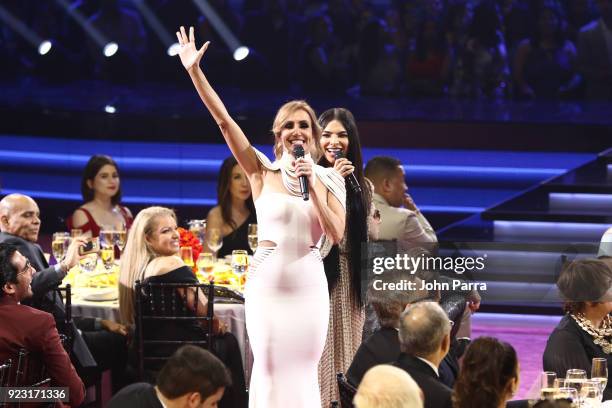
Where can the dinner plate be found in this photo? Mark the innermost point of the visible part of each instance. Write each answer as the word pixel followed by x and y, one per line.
pixel 102 295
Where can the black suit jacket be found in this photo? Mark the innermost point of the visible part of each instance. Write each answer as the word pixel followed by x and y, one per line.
pixel 437 395
pixel 44 282
pixel 383 347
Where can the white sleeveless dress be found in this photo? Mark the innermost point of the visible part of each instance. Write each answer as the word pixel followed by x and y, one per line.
pixel 286 299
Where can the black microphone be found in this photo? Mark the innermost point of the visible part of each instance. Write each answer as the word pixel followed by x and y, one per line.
pixel 351 179
pixel 298 151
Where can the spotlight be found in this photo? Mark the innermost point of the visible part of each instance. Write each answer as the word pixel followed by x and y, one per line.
pixel 174 49
pixel 110 109
pixel 110 49
pixel 241 53
pixel 44 47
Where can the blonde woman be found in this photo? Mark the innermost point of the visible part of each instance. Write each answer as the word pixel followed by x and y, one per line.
pixel 151 255
pixel 286 299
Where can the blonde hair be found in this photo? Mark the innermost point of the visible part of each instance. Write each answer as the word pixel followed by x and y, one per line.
pixel 280 119
pixel 386 386
pixel 136 257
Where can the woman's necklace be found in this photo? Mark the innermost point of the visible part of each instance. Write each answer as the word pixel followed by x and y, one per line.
pixel 601 335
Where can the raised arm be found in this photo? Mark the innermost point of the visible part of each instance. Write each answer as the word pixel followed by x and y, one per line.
pixel 234 137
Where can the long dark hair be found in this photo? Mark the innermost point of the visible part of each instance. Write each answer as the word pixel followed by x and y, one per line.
pixel 357 205
pixel 224 197
pixel 488 367
pixel 92 168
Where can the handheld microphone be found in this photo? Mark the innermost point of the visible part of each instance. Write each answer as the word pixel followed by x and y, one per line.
pixel 298 151
pixel 351 179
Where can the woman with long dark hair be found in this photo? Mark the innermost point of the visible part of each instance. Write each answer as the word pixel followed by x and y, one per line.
pixel 489 375
pixel 101 191
pixel 342 151
pixel 235 209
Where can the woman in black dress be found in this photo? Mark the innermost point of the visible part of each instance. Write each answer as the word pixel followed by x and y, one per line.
pixel 235 209
pixel 585 332
pixel 151 255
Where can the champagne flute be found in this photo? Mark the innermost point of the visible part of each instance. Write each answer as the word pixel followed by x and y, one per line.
pixel 599 372
pixel 252 237
pixel 215 240
pixel 547 386
pixel 59 245
pixel 121 237
pixel 187 256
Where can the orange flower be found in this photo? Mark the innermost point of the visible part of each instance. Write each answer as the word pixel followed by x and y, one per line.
pixel 187 239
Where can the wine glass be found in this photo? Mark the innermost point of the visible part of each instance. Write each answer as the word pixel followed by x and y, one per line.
pixel 107 237
pixel 205 264
pixel 590 394
pixel 88 263
pixel 59 245
pixel 252 237
pixel 121 237
pixel 187 256
pixel 547 386
pixel 575 378
pixel 599 372
pixel 215 240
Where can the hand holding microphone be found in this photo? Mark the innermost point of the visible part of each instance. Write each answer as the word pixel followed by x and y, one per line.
pixel 303 170
pixel 346 169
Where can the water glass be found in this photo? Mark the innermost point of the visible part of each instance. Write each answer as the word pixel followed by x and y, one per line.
pixel 240 261
pixel 198 229
pixel 187 256
pixel 547 385
pixel 567 392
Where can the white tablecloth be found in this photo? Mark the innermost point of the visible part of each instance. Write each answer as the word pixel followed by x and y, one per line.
pixel 230 313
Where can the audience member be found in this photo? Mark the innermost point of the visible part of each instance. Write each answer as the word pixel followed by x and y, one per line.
pixel 385 386
pixel 27 328
pixel 235 209
pixel 605 245
pixel 595 54
pixel 401 220
pixel 192 377
pixel 425 340
pixel 489 375
pixel 585 332
pixel 379 66
pixel 151 255
pixel 101 191
pixel 544 65
pixel 99 339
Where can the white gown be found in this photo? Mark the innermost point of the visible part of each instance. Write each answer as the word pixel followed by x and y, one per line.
pixel 286 299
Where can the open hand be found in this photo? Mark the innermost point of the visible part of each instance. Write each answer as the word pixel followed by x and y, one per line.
pixel 189 54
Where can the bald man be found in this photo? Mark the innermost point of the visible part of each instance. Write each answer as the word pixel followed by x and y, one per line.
pixel 98 344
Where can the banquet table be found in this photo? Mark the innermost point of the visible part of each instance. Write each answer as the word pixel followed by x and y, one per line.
pixel 232 314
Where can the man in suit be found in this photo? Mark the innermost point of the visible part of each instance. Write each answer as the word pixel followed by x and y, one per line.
pixel 595 53
pixel 400 218
pixel 97 342
pixel 425 340
pixel 31 329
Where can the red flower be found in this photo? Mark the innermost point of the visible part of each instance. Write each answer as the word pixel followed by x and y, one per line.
pixel 187 239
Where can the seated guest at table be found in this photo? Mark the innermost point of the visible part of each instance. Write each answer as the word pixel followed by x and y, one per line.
pixel 425 340
pixel 98 342
pixel 489 376
pixel 101 191
pixel 151 255
pixel 585 332
pixel 385 386
pixel 31 329
pixel 605 246
pixel 192 377
pixel 235 209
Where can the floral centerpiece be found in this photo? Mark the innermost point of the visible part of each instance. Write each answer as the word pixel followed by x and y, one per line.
pixel 187 239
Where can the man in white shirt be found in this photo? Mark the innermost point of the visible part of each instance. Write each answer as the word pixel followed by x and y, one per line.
pixel 400 218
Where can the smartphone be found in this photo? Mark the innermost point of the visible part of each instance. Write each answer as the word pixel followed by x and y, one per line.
pixel 91 247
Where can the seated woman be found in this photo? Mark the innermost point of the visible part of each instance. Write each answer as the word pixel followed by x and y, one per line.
pixel 489 375
pixel 235 210
pixel 101 192
pixel 151 255
pixel 585 332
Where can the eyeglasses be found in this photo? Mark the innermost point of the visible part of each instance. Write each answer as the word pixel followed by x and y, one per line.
pixel 451 323
pixel 27 268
